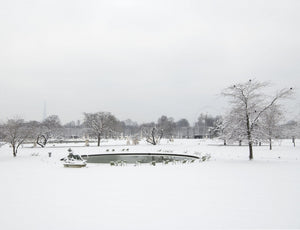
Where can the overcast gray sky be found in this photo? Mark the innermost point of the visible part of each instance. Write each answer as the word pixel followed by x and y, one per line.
pixel 141 59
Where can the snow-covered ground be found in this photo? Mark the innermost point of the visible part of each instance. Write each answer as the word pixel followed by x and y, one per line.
pixel 228 191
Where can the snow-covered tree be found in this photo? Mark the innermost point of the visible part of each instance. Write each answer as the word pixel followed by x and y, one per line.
pixel 231 127
pixel 248 104
pixel 99 123
pixel 15 133
pixel 270 123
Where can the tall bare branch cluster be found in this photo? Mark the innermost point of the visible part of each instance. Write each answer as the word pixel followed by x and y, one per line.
pixel 153 134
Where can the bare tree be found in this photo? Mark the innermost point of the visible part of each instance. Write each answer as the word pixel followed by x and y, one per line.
pixel 129 128
pixel 206 125
pixel 182 128
pixel 2 135
pixel 249 103
pixel 166 124
pixel 49 128
pixel 15 133
pixel 153 135
pixel 269 123
pixel 99 123
pixel 219 129
pixel 292 129
pixel 231 127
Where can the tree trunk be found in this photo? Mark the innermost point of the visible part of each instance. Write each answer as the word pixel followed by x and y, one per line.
pixel 14 151
pixel 153 136
pixel 225 142
pixel 294 141
pixel 250 150
pixel 249 138
pixel 98 140
pixel 270 143
pixel 153 139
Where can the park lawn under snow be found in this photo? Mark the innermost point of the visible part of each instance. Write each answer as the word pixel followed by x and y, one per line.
pixel 228 191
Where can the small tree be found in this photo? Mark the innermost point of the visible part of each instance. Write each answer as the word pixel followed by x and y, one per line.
pixel 270 123
pixel 249 103
pixel 182 128
pixel 15 133
pixel 206 125
pixel 48 128
pixel 129 128
pixel 153 135
pixel 231 127
pixel 100 123
pixel 166 124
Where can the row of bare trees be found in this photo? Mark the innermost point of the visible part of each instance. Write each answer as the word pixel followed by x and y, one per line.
pixel 17 131
pixel 253 117
pixel 95 125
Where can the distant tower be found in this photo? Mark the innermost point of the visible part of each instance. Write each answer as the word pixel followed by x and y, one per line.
pixel 45 110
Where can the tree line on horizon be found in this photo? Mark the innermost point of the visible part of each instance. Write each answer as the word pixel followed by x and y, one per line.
pixel 101 125
pixel 253 117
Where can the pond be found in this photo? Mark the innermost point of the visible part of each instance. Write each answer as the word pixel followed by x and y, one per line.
pixel 133 158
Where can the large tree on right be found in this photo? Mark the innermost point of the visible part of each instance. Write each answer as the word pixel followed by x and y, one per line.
pixel 248 104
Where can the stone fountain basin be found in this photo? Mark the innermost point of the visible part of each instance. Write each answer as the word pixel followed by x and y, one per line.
pixel 133 158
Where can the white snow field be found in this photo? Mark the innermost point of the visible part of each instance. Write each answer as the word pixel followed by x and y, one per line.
pixel 228 191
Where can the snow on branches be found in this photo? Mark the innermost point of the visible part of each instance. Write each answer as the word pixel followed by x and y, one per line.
pixel 248 105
